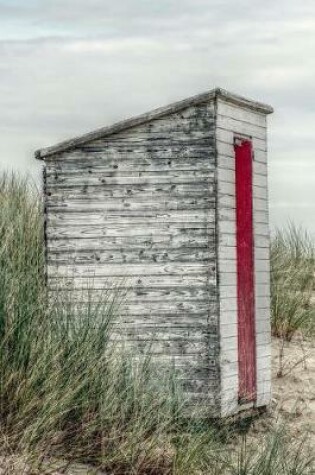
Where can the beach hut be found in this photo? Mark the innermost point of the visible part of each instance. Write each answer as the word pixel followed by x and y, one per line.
pixel 174 204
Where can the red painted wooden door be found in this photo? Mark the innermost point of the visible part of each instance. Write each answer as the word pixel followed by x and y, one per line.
pixel 245 270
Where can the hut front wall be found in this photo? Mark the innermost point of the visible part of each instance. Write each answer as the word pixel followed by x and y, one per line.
pixel 236 121
pixel 138 207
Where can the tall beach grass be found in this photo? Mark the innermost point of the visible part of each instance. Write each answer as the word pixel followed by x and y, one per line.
pixel 67 392
pixel 63 388
pixel 292 282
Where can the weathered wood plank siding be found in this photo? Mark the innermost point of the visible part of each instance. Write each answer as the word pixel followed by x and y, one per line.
pixel 138 207
pixel 231 121
pixel 149 204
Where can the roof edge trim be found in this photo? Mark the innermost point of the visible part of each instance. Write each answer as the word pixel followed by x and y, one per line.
pixel 154 114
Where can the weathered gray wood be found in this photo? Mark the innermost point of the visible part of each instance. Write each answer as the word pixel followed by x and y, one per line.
pixel 198 101
pixel 157 281
pixel 130 123
pixel 174 177
pixel 131 209
pixel 182 134
pixel 173 330
pixel 183 218
pixel 95 257
pixel 115 154
pixel 148 158
pixel 129 203
pixel 136 210
pixel 139 193
pixel 191 125
pixel 170 348
pixel 123 270
pixel 128 168
pixel 182 324
pixel 137 292
pixel 146 306
pixel 170 232
pixel 149 243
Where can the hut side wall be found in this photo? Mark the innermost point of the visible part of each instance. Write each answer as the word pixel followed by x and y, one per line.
pixel 233 120
pixel 139 207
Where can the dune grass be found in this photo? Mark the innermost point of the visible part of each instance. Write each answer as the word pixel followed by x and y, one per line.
pixel 67 393
pixel 64 390
pixel 292 282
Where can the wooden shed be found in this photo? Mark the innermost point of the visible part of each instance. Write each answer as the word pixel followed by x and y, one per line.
pixel 175 203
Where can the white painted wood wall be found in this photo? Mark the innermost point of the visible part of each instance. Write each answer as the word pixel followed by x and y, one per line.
pixel 234 121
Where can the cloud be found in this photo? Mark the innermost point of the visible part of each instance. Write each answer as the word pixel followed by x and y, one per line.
pixel 68 66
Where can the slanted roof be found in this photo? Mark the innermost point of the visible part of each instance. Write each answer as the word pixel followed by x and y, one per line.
pixel 155 114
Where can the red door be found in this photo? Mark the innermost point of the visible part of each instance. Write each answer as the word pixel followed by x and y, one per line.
pixel 245 270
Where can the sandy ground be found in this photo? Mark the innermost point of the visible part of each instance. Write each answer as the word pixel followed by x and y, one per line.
pixel 293 400
pixel 293 391
pixel 294 386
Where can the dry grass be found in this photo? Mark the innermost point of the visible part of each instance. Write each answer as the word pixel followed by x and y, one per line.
pixel 292 283
pixel 66 394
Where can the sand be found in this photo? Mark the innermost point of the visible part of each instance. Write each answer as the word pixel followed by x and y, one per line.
pixel 293 392
pixel 293 398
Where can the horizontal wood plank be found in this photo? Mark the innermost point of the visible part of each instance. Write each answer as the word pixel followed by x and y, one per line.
pixel 241 114
pixel 126 256
pixel 169 231
pixel 241 127
pixel 171 282
pixel 122 270
pixel 103 165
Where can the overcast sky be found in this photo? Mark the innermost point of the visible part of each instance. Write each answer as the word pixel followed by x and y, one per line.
pixel 69 66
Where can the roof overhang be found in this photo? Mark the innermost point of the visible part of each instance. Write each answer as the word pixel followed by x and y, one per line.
pixel 67 145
